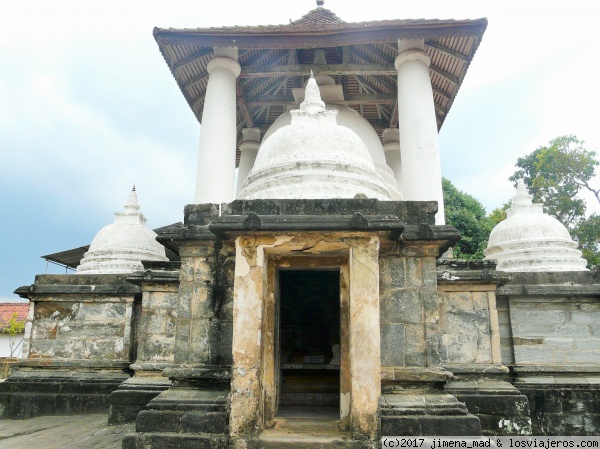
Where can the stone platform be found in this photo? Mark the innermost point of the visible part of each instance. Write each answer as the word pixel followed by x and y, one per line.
pixel 54 432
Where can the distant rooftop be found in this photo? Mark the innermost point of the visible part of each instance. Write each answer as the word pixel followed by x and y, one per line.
pixel 7 311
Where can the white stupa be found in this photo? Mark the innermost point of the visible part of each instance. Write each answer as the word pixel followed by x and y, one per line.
pixel 313 157
pixel 531 240
pixel 120 247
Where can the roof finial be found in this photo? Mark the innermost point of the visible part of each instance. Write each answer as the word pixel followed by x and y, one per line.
pixel 133 190
pixel 320 2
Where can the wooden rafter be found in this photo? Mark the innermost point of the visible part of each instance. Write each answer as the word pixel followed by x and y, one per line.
pixel 377 52
pixel 394 116
pixel 261 85
pixel 447 51
pixel 196 102
pixel 441 93
pixel 444 74
pixel 191 58
pixel 194 80
pixel 371 86
pixel 261 55
pixel 242 104
pixel 264 100
pixel 328 69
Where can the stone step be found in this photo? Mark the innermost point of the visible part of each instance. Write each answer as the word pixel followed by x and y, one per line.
pixel 181 421
pixel 174 441
pixel 296 433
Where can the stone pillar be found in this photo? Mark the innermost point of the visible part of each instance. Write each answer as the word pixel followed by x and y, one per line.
pixel 365 363
pixel 421 172
pixel 216 156
pixel 249 150
pixel 391 146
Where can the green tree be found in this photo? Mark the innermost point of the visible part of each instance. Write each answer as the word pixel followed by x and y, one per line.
pixel 556 175
pixel 587 233
pixel 14 327
pixel 499 214
pixel 467 215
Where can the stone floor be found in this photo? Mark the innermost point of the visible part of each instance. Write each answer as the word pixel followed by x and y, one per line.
pixel 62 432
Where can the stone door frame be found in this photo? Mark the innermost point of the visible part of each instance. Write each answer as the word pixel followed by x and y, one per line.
pixel 253 396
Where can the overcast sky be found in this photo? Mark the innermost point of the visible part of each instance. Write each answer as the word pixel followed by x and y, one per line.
pixel 88 106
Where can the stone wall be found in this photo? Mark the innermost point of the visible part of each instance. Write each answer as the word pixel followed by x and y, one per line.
pixel 554 318
pixel 204 323
pixel 408 305
pixel 77 348
pixel 469 325
pixel 85 317
pixel 157 316
pixel 555 329
pixel 551 338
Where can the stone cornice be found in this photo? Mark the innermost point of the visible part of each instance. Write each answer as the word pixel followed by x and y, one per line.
pixel 78 284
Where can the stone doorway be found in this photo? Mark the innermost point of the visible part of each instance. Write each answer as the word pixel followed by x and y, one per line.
pixel 254 397
pixel 309 343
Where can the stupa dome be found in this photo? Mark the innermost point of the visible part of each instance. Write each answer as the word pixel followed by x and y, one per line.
pixel 121 246
pixel 351 119
pixel 530 240
pixel 313 157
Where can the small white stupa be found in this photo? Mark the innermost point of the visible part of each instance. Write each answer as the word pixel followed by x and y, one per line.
pixel 313 158
pixel 531 240
pixel 120 247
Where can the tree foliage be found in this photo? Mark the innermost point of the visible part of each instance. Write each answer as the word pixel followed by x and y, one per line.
pixel 556 175
pixel 467 215
pixel 587 233
pixel 14 327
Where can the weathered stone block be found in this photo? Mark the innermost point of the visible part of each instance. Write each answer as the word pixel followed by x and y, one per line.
pixel 533 354
pixel 391 272
pixel 392 344
pixel 458 301
pixel 414 272
pixel 480 300
pixel 450 425
pixel 401 306
pixel 587 344
pixel 56 310
pixel 429 272
pixel 400 425
pixel 220 342
pixel 95 311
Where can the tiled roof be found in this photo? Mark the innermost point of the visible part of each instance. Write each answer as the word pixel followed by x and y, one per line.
pixel 319 17
pixel 7 310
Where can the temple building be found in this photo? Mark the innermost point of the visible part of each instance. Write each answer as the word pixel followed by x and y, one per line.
pixel 304 300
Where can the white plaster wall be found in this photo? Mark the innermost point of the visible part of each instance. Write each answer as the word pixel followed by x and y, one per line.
pixel 5 346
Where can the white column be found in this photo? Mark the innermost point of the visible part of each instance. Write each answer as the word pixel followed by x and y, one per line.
pixel 248 150
pixel 419 145
pixel 218 136
pixel 391 147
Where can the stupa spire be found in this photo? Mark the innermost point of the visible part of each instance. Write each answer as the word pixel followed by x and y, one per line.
pixel 312 103
pixel 121 246
pixel 522 198
pixel 131 206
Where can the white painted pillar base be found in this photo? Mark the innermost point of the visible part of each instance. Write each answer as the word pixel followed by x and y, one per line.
pixel 419 143
pixel 391 147
pixel 218 136
pixel 249 150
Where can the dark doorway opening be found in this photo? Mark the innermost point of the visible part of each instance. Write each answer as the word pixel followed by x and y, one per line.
pixel 309 343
